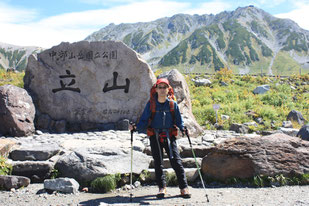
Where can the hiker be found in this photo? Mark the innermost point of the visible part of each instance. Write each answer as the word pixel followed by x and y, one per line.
pixel 160 117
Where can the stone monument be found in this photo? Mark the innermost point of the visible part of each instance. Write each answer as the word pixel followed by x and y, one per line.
pixel 88 83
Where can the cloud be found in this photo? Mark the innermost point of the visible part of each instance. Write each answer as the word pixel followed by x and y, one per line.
pixel 10 14
pixel 77 26
pixel 299 15
pixel 21 27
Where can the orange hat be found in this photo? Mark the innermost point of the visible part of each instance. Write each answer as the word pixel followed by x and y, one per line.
pixel 162 80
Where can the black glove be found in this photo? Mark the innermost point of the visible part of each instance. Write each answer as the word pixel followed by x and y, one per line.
pixel 185 131
pixel 133 125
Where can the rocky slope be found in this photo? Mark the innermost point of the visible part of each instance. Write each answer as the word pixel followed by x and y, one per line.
pixel 245 40
pixel 15 57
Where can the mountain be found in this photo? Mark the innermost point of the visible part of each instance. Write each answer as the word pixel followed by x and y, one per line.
pixel 247 40
pixel 15 57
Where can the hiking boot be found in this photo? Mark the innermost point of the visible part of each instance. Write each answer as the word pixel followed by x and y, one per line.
pixel 161 193
pixel 184 193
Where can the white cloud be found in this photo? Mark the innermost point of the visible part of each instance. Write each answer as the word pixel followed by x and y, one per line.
pixel 19 27
pixel 10 14
pixel 76 26
pixel 300 15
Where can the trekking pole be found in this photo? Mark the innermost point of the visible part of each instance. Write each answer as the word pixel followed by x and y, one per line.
pixel 131 173
pixel 198 168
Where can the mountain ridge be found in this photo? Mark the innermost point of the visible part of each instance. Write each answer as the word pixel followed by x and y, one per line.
pixel 16 57
pixel 245 40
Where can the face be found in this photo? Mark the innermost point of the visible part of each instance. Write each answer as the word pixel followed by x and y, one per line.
pixel 162 89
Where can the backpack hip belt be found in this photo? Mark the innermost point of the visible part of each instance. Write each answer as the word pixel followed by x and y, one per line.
pixel 164 134
pixel 172 131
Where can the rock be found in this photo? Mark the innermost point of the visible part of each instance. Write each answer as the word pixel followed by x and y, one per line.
pixel 123 125
pixel 97 82
pixel 244 157
pixel 60 126
pixel 224 84
pixel 191 174
pixel 201 82
pixel 16 111
pixel 261 89
pixel 9 182
pixel 267 133
pixel 137 184
pixel 6 146
pixel 289 131
pixel 65 185
pixel 259 120
pixel 43 122
pixel 38 132
pixel 304 132
pixel 287 124
pixel 35 153
pixel 252 124
pixel 225 117
pixel 182 94
pixel 200 151
pixel 296 116
pixel 86 164
pixel 239 128
pixel 37 171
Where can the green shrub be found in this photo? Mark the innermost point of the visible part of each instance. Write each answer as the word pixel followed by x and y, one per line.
pixel 104 184
pixel 5 168
pixel 171 179
pixel 12 78
pixel 54 174
pixel 144 176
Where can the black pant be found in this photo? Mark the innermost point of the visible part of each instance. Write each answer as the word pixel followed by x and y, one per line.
pixel 157 154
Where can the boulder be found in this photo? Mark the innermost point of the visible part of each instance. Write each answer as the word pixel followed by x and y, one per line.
pixel 86 164
pixel 182 94
pixel 38 152
pixel 65 185
pixel 37 171
pixel 96 82
pixel 287 124
pixel 9 182
pixel 16 111
pixel 239 128
pixel 261 89
pixel 303 133
pixel 201 82
pixel 296 116
pixel 245 157
pixel 288 131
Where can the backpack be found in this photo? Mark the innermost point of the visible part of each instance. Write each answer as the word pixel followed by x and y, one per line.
pixel 171 97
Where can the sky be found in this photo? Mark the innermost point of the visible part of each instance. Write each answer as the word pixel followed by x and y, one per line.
pixel 48 23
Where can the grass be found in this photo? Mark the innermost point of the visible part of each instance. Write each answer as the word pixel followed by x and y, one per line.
pixel 263 180
pixel 237 99
pixel 12 78
pixel 105 184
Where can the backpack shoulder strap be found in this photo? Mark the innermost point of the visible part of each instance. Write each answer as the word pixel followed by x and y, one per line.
pixel 172 110
pixel 152 104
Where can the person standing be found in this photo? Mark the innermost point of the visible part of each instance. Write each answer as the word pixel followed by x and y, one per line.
pixel 160 117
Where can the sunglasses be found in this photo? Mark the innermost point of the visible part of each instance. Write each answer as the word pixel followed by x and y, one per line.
pixel 162 87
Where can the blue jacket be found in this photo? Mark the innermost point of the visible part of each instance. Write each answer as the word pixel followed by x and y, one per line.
pixel 162 119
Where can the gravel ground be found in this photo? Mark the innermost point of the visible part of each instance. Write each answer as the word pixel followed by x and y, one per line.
pixel 34 195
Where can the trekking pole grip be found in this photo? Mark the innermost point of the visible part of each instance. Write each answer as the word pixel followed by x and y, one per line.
pixel 187 134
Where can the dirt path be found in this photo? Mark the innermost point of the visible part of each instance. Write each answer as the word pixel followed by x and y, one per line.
pixel 286 196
